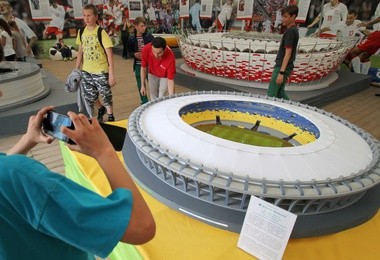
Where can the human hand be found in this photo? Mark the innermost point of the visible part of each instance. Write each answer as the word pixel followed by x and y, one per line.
pixel 362 24
pixel 138 55
pixel 28 49
pixel 143 91
pixel 33 135
pixel 111 80
pixel 89 137
pixel 280 79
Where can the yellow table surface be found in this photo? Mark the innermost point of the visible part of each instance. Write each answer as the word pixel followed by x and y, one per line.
pixel 181 237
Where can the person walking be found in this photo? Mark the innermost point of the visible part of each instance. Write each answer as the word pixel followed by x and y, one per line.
pixel 286 54
pixel 195 12
pixel 136 43
pixel 96 59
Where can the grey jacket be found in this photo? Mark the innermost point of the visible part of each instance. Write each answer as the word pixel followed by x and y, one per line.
pixel 74 84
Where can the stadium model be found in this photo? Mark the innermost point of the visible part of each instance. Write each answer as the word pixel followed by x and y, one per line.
pixel 250 57
pixel 330 165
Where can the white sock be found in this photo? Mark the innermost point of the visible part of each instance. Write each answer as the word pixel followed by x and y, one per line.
pixel 365 67
pixel 355 62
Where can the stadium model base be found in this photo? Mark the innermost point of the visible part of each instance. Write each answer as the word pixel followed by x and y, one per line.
pixel 21 84
pixel 327 172
pixel 232 220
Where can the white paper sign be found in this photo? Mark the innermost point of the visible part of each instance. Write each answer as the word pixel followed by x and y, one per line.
pixel 135 8
pixel 303 8
pixel 244 9
pixel 184 8
pixel 40 9
pixel 206 9
pixel 266 229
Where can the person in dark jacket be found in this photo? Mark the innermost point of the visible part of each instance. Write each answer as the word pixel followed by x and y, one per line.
pixel 136 43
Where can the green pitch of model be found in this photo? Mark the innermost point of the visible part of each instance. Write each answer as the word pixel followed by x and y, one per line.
pixel 244 136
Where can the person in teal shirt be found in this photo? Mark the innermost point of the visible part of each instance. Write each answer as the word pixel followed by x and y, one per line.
pixel 44 215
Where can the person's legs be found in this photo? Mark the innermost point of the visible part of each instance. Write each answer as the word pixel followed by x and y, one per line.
pixel 124 40
pixel 163 87
pixel 352 54
pixel 59 35
pixel 45 33
pixel 273 88
pixel 198 26
pixel 144 99
pixel 154 84
pixel 282 94
pixel 105 92
pixel 355 63
pixel 212 27
pixel 90 93
pixel 219 25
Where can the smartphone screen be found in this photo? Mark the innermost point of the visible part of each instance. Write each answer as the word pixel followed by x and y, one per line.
pixel 52 125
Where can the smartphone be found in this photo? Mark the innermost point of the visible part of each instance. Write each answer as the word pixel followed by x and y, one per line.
pixel 52 123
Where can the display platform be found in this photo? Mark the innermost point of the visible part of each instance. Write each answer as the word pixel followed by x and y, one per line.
pixel 21 83
pixel 181 237
pixel 14 120
pixel 345 84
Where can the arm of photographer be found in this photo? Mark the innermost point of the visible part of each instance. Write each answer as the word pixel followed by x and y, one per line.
pixel 91 140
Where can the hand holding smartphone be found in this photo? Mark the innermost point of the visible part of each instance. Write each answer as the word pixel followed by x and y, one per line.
pixel 53 122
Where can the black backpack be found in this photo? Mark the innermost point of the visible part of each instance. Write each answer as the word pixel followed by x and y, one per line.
pixel 100 29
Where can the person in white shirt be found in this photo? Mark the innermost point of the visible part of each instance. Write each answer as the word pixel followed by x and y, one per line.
pixel 332 13
pixel 195 11
pixel 150 15
pixel 347 29
pixel 223 17
pixel 57 22
pixel 113 18
pixel 361 53
pixel 7 40
pixel 376 27
pixel 20 42
pixel 6 13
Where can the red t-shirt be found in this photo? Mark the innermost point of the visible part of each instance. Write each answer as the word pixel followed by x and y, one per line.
pixel 162 68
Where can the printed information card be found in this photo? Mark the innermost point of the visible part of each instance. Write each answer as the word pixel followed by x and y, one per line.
pixel 266 229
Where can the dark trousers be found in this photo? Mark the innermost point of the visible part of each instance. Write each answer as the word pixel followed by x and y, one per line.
pixel 124 40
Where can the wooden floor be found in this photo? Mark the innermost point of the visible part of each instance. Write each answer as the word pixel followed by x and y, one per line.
pixel 362 109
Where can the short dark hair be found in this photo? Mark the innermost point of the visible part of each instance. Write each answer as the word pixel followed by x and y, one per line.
pixel 290 9
pixel 138 20
pixel 91 7
pixel 159 42
pixel 353 11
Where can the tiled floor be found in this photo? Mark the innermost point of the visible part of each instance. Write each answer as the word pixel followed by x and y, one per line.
pixel 126 99
pixel 362 109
